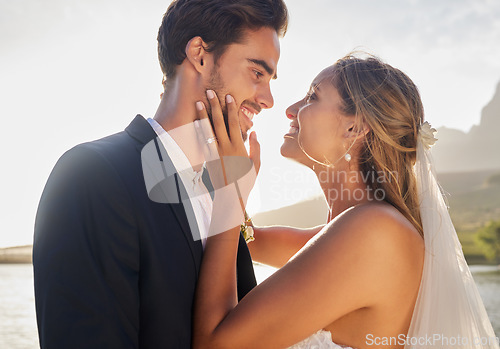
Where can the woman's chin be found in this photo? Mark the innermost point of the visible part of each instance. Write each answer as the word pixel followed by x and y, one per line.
pixel 289 149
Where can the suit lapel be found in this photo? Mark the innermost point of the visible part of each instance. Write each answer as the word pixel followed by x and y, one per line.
pixel 169 188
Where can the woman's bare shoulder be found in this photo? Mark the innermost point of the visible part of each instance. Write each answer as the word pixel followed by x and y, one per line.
pixel 377 219
pixel 378 229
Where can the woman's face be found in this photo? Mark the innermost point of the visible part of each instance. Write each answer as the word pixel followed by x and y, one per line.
pixel 317 124
pixel 290 148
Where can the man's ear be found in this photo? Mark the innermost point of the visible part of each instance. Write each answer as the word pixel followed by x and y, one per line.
pixel 196 54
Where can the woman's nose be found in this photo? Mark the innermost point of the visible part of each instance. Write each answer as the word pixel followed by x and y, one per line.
pixel 291 111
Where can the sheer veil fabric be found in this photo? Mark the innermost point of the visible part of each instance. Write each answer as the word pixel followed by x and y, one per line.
pixel 449 312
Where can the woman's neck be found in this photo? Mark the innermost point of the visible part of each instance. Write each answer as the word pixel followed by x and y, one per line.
pixel 343 188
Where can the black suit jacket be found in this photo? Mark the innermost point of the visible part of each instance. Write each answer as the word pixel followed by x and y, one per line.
pixel 112 268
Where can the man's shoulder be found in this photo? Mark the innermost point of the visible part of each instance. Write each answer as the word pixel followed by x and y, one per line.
pixel 138 132
pixel 117 142
pixel 119 152
pixel 98 150
pixel 118 147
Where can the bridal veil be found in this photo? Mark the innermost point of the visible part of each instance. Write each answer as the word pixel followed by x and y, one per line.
pixel 449 312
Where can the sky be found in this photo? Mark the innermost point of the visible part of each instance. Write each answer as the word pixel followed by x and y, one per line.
pixel 72 71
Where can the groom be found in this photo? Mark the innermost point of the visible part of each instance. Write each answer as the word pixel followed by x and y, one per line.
pixel 114 265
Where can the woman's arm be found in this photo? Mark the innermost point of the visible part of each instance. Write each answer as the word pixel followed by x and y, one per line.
pixel 275 245
pixel 355 262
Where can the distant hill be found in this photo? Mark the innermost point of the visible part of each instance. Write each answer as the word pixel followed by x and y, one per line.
pixel 473 197
pixel 457 151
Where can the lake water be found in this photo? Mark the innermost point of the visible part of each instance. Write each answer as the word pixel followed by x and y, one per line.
pixel 17 303
pixel 17 307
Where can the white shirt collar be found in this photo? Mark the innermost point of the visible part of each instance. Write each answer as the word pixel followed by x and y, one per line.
pixel 179 159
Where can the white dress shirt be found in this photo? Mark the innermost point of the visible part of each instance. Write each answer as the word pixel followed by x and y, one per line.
pixel 199 197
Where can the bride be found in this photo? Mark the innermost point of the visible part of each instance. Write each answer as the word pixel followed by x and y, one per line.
pixel 386 271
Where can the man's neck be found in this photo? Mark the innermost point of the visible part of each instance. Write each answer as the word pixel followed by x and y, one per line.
pixel 176 114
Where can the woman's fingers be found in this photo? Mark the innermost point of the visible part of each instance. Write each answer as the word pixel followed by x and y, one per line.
pixel 234 122
pixel 205 133
pixel 254 150
pixel 217 118
pixel 232 162
pixel 202 112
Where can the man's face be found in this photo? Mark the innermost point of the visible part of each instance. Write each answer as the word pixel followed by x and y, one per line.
pixel 245 71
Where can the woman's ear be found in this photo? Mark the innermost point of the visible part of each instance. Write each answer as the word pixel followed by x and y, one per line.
pixel 356 130
pixel 196 54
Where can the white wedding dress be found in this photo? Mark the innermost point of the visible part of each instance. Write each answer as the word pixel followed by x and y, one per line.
pixel 320 340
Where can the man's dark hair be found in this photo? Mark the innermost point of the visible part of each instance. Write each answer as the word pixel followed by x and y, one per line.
pixel 218 22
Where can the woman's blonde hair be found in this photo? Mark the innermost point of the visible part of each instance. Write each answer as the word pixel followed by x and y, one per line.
pixel 388 102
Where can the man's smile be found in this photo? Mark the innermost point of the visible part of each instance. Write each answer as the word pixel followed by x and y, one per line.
pixel 248 116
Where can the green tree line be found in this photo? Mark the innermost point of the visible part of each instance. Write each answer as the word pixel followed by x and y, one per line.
pixel 488 239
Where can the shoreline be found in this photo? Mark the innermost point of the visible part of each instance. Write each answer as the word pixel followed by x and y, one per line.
pixel 16 255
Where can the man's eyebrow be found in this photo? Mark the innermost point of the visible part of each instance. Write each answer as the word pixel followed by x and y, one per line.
pixel 264 65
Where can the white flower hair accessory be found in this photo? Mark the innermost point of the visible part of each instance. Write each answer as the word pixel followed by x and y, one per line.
pixel 426 135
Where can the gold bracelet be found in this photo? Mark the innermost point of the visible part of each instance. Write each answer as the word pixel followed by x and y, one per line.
pixel 246 228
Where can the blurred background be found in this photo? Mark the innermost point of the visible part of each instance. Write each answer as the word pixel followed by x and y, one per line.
pixel 76 70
